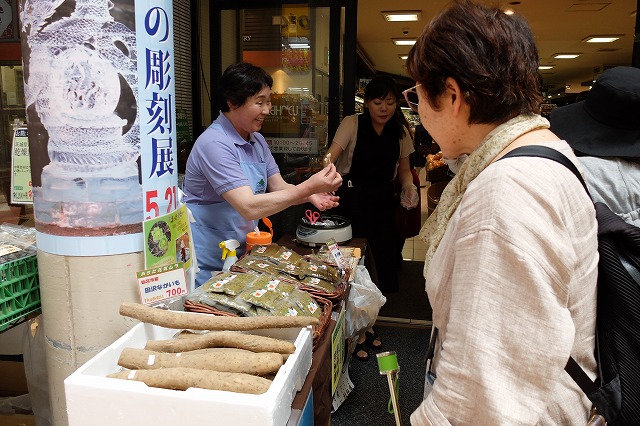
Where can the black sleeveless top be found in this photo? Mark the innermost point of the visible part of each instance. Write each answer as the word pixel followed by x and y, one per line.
pixel 375 156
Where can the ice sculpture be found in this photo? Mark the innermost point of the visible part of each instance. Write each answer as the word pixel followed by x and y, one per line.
pixel 82 80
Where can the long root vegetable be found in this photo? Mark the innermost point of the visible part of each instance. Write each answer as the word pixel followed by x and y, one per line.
pixel 196 321
pixel 226 339
pixel 185 378
pixel 217 359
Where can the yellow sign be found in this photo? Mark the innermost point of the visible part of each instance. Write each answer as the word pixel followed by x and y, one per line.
pixel 295 22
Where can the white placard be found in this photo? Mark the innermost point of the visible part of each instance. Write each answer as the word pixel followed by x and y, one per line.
pixel 161 283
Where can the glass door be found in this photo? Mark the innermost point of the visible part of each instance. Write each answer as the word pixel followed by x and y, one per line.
pixel 12 114
pixel 294 43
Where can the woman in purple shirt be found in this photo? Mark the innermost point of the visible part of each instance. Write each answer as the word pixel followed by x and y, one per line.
pixel 232 180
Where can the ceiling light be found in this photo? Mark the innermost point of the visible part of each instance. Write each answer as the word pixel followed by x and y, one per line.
pixel 545 67
pixel 566 55
pixel 404 57
pixel 602 38
pixel 509 12
pixel 402 15
pixel 404 41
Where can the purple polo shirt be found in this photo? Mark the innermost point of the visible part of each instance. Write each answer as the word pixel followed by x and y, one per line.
pixel 213 167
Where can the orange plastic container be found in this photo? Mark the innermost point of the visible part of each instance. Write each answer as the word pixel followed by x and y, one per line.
pixel 260 238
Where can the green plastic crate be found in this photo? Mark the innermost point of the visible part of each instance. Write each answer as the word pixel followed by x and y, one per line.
pixel 19 290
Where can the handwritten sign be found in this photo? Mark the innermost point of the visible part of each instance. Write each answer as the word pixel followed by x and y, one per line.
pixel 162 283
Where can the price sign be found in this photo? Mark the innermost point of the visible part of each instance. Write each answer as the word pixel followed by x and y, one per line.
pixel 161 283
pixel 21 188
pixel 336 253
pixel 337 351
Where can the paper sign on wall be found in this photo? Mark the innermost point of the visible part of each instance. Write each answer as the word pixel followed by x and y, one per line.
pixel 21 188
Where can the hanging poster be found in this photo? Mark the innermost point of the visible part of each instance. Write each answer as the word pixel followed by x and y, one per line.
pixel 21 190
pixel 168 240
pixel 99 94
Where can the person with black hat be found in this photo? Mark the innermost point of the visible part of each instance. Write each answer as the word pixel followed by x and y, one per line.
pixel 604 132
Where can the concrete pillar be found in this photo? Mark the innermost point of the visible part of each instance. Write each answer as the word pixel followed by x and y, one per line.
pixel 80 300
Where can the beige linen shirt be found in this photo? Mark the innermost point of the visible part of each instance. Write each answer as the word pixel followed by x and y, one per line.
pixel 513 290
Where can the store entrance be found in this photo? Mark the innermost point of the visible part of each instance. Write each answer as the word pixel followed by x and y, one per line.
pixel 302 47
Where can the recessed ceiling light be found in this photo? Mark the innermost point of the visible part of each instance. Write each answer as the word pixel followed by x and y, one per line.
pixel 566 55
pixel 404 41
pixel 509 12
pixel 601 38
pixel 545 67
pixel 402 15
pixel 404 57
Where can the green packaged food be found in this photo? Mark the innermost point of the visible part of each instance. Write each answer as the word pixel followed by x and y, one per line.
pixel 229 283
pixel 306 303
pixel 287 308
pixel 285 254
pixel 258 294
pixel 260 265
pixel 290 269
pixel 217 300
pixel 262 312
pixel 281 286
pixel 265 251
pixel 319 284
pixel 319 270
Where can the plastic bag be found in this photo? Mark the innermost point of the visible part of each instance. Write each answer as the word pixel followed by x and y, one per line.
pixel 365 301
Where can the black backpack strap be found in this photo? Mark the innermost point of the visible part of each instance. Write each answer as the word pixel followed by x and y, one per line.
pixel 575 371
pixel 548 153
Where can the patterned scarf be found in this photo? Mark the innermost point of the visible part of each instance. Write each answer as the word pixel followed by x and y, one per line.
pixel 497 140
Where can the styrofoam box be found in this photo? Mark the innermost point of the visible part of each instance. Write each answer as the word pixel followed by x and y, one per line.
pixel 94 399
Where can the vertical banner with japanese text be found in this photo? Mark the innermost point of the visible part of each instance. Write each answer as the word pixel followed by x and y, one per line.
pixel 156 91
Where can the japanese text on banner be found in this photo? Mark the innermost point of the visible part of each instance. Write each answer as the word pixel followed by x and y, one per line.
pixel 154 25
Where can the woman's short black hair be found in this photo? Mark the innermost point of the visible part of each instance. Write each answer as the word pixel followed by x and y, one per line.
pixel 241 81
pixel 491 55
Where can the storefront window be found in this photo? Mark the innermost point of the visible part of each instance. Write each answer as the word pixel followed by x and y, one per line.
pixel 12 114
pixel 292 44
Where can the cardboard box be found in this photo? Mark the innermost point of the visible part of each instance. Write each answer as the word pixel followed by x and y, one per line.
pixel 17 420
pixel 14 383
pixel 94 399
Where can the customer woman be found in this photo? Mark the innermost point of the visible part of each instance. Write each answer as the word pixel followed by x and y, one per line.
pixel 512 258
pixel 232 180
pixel 369 150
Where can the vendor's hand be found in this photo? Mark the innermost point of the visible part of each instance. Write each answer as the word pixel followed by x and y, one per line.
pixel 324 201
pixel 409 196
pixel 326 180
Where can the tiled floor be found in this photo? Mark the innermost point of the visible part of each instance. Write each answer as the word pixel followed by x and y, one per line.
pixel 414 248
